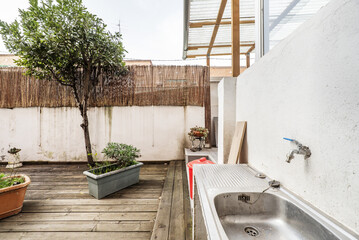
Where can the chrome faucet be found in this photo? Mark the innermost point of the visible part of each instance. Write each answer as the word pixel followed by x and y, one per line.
pixel 302 150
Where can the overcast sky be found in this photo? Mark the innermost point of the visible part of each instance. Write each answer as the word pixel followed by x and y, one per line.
pixel 151 29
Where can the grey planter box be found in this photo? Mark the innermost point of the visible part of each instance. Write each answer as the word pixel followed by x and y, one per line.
pixel 107 183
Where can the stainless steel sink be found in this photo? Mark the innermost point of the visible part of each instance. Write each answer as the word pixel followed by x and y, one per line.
pixel 229 203
pixel 266 216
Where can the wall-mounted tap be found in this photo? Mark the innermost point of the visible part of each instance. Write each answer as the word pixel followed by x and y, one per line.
pixel 303 150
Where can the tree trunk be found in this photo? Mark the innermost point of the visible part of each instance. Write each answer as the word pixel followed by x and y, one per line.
pixel 85 123
pixel 85 127
pixel 83 110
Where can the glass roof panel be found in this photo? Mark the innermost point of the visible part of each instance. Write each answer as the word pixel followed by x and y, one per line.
pixel 287 15
pixel 206 11
pixel 284 17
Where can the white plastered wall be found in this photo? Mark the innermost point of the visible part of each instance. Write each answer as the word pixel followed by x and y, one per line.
pixel 214 108
pixel 54 134
pixel 307 88
pixel 226 117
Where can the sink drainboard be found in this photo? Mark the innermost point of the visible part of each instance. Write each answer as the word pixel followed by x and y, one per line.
pixel 251 231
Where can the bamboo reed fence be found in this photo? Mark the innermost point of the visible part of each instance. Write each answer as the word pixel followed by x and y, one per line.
pixel 143 86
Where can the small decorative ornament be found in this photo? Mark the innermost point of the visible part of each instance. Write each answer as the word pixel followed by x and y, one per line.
pixel 14 158
pixel 197 136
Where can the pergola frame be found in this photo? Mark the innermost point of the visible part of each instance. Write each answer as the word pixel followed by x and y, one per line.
pixel 207 23
pixel 235 44
pixel 222 6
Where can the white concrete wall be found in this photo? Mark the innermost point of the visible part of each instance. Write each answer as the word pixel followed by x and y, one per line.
pixel 54 134
pixel 214 107
pixel 307 88
pixel 226 117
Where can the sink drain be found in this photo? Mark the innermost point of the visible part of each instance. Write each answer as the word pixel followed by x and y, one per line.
pixel 251 231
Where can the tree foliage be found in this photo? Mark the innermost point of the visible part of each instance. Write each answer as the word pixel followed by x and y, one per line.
pixel 60 40
pixel 56 40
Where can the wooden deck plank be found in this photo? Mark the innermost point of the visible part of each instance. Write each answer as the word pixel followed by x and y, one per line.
pixel 176 227
pixel 69 168
pixel 92 201
pixel 84 183
pixel 85 190
pixel 75 235
pixel 161 226
pixel 90 208
pixel 82 178
pixel 88 216
pixel 79 173
pixel 77 226
pixel 84 187
pixel 174 220
pixel 38 195
pixel 186 205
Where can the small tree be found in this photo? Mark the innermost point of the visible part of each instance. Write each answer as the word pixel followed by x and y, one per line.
pixel 64 42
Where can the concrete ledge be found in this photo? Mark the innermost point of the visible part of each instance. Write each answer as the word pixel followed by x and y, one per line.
pixel 209 153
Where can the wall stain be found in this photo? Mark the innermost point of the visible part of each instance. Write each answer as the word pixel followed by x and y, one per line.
pixel 49 154
pixel 108 117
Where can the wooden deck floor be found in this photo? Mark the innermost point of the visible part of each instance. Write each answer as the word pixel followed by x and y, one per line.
pixel 57 205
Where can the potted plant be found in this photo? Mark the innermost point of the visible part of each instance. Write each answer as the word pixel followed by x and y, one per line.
pixel 107 178
pixel 198 134
pixel 12 193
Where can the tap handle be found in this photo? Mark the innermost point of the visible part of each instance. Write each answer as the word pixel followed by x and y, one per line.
pixel 289 139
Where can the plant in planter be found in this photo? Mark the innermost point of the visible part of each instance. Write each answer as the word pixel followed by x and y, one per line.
pixel 198 134
pixel 12 193
pixel 107 178
pixel 14 158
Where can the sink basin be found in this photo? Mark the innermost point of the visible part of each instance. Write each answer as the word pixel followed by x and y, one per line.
pixel 229 203
pixel 252 215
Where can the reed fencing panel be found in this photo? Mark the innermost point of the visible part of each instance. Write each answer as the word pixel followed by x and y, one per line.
pixel 142 86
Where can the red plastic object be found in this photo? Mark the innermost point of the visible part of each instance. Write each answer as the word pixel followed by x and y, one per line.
pixel 190 171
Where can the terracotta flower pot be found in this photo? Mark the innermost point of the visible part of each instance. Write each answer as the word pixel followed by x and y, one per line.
pixel 197 134
pixel 12 198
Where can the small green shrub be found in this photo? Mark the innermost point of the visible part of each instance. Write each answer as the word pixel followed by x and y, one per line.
pixel 124 155
pixel 10 181
pixel 14 150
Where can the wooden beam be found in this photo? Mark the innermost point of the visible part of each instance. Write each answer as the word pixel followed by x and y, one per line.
pixel 218 46
pixel 205 55
pixel 235 39
pixel 209 23
pixel 205 46
pixel 214 54
pixel 251 48
pixel 216 26
pixel 208 61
